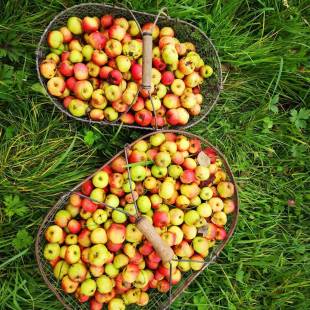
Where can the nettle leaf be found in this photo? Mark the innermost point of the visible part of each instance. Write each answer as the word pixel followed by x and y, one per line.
pixel 267 124
pixel 22 240
pixel 38 88
pixel 14 206
pixel 273 104
pixel 299 118
pixel 240 274
pixel 91 137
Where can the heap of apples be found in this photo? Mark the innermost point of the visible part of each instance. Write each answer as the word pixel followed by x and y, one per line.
pixel 99 254
pixel 95 68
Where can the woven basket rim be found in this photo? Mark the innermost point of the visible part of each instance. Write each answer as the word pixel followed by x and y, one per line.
pixel 193 276
pixel 56 101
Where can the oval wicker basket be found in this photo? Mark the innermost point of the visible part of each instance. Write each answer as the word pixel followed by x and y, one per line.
pixel 157 300
pixel 184 31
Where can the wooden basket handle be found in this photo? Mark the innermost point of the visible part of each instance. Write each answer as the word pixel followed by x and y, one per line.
pixel 161 247
pixel 147 60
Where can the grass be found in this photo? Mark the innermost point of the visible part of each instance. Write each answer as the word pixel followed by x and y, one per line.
pixel 260 123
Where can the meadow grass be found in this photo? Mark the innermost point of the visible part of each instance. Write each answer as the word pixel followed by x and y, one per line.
pixel 260 124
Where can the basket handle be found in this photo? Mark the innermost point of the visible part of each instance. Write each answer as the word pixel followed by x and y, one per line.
pixel 147 60
pixel 161 247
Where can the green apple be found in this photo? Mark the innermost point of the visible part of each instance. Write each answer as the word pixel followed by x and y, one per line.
pixel 74 24
pixel 112 200
pixel 91 224
pixel 104 284
pixel 202 173
pixel 191 217
pixel 61 269
pixel 88 287
pixel 71 239
pixel 200 245
pixel 77 272
pixel 98 255
pixel 120 260
pixel 119 217
pixel 126 186
pixel 116 304
pixel 54 234
pixel 138 173
pixel 51 251
pixel 111 270
pixel 162 159
pixel 144 203
pixel 100 216
pixel 87 52
pixel 204 209
pixel 157 139
pixel 175 171
pixel 176 216
pixel 77 107
pixel 184 266
pixel 206 193
pixel 159 172
pixel 100 179
pixel 98 194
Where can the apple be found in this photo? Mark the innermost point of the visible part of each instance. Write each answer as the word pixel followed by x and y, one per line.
pixel 119 217
pixel 67 35
pixel 71 239
pixel 176 216
pixel 192 80
pixel 113 48
pixel 163 286
pixel 54 234
pixel 161 218
pixel 88 287
pixel 106 21
pixel 159 64
pixel 90 24
pixel 73 254
pixel 115 77
pixel 51 251
pixel 98 255
pixel 104 284
pixel 116 304
pixel 172 117
pixel 74 24
pixel 171 101
pixel 183 249
pixel 130 273
pixel 138 173
pixel 136 71
pixel 197 262
pixel 77 272
pixel 62 218
pixel 219 218
pixel 68 285
pixel 133 49
pixel 204 210
pixel 55 38
pixel 206 71
pixel 98 236
pixel 187 176
pixel 113 93
pixel 178 87
pixel 200 245
pixel 123 63
pixel 48 68
pixel 56 86
pixel 133 234
pixel 150 26
pixel 225 189
pixel 177 158
pixel 117 32
pixel 144 202
pixel 116 233
pixel 166 41
pixel 191 217
pixel 153 103
pixel 60 269
pixel 229 206
pixel 100 179
pixel 93 69
pixel 120 260
pixel 169 54
pixel 206 193
pixel 83 90
pixel 167 78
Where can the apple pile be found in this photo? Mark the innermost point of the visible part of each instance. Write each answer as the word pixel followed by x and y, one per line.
pixel 99 254
pixel 95 68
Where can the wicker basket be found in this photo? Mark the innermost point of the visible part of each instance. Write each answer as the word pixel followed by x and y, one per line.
pixel 184 31
pixel 157 300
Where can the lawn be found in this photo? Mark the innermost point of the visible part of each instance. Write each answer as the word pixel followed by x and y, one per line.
pixel 261 124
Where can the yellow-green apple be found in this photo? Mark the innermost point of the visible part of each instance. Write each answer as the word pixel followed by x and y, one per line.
pixel 225 189
pixel 133 234
pixel 71 239
pixel 171 101
pixel 176 216
pixel 192 80
pixel 96 271
pixel 68 285
pixel 111 270
pixel 197 262
pixel 156 200
pixel 202 173
pixel 87 52
pixel 100 179
pixel 166 31
pixel 153 103
pixel 178 234
pixel 184 266
pixel 118 216
pixel 175 171
pixel 166 189
pixel 156 76
pixel 88 287
pixel 169 146
pixel 182 202
pixel 77 272
pixel 216 204
pixel 48 68
pixel 63 251
pixel 91 224
pixel 169 54
pixel 132 49
pixel 98 255
pixel 133 28
pixel 110 114
pixel 142 279
pixel 60 269
pixel 190 190
pixel 51 251
pixel 191 217
pixel 120 260
pixel 113 48
pixel 113 93
pixel 54 234
pixel 144 202
pixel 56 86
pixel 74 24
pixel 206 193
pixel 98 235
pixel 178 74
pixel 123 63
pixel 169 237
pixel 116 233
pixel 161 218
pixel 73 254
pixel 162 159
pixel 206 71
pixel 200 245
pixel 138 173
pixel 189 231
pixel 229 206
pixel 177 158
pixel 132 296
pixel 62 218
pixel 75 56
pixel 104 284
pixel 90 24
pixel 130 250
pixel 204 209
pixel 83 90
pixel 55 38
pixel 93 69
pixel 157 139
pixel 116 304
pixel 219 218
